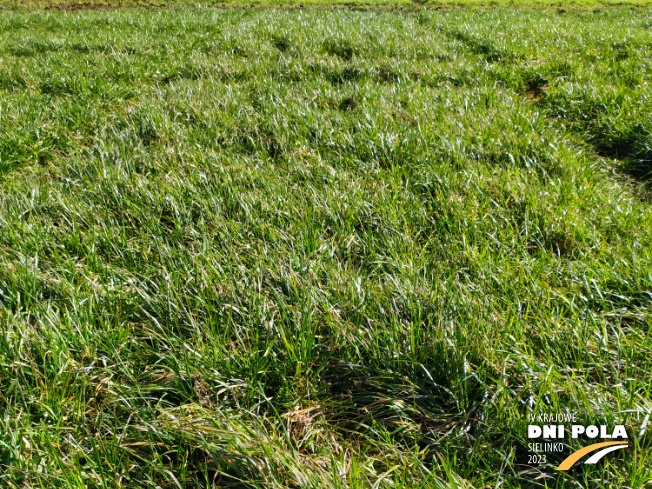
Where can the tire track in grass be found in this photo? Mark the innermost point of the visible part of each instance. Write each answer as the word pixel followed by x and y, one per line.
pixel 629 143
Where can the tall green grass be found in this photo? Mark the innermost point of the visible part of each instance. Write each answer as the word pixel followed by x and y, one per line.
pixel 247 248
pixel 321 4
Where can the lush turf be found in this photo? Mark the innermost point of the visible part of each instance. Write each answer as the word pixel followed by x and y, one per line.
pixel 327 4
pixel 321 248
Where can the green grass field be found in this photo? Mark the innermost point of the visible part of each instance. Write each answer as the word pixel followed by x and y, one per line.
pixel 322 248
pixel 327 4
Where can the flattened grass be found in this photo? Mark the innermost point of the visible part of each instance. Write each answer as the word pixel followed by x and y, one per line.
pixel 320 249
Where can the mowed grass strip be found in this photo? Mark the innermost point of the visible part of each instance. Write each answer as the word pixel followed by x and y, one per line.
pixel 321 249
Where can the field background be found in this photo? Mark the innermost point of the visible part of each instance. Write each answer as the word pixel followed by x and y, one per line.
pixel 375 4
pixel 322 248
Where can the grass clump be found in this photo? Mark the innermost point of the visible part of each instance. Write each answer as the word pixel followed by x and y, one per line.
pixel 282 43
pixel 342 48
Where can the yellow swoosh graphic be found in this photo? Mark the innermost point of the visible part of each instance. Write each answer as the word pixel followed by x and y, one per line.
pixel 574 457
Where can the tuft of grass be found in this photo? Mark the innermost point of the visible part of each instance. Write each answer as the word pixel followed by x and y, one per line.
pixel 342 48
pixel 282 43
